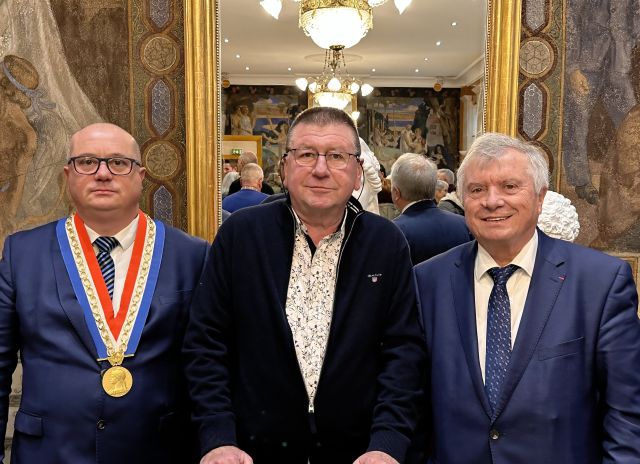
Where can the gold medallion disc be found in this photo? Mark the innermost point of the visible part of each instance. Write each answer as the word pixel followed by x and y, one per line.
pixel 117 381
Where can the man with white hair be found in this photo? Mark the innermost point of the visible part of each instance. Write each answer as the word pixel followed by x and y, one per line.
pixel 441 190
pixel 244 159
pixel 451 201
pixel 249 195
pixel 534 341
pixel 429 230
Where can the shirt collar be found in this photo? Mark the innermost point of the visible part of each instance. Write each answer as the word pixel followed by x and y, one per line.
pixel 408 205
pixel 300 226
pixel 125 237
pixel 525 259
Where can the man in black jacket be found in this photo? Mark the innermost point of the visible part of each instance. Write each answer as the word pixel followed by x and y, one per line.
pixel 304 343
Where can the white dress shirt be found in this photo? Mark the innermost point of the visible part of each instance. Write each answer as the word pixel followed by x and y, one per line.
pixel 121 256
pixel 517 288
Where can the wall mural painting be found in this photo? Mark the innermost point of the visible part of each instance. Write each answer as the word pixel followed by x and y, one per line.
pixel 266 111
pixel 412 120
pixel 65 64
pixel 392 121
pixel 579 91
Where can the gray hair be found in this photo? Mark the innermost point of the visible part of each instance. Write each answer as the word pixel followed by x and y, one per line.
pixel 441 185
pixel 247 157
pixel 493 146
pixel 251 172
pixel 415 176
pixel 324 116
pixel 450 177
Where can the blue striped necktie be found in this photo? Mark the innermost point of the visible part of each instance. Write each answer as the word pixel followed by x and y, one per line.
pixel 498 332
pixel 105 261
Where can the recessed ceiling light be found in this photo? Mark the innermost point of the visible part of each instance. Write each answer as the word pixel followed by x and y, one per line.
pixel 454 24
pixel 237 56
pixel 373 69
pixel 438 43
pixel 246 68
pixel 417 70
pixel 226 40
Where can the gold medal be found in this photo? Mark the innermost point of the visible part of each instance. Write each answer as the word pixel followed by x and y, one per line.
pixel 117 381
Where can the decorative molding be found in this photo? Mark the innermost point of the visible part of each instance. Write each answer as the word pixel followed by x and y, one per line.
pixel 202 116
pixel 503 42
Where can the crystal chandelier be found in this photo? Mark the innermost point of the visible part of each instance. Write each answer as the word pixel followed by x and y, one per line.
pixel 334 87
pixel 334 22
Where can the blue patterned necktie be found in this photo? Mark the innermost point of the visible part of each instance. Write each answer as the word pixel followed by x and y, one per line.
pixel 105 261
pixel 498 332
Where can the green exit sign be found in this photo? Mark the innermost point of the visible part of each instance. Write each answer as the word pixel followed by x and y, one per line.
pixel 236 151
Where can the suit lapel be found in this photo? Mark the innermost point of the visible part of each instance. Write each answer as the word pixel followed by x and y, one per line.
pixel 464 301
pixel 546 281
pixel 68 300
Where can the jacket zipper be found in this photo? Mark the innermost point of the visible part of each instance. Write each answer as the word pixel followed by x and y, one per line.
pixel 312 416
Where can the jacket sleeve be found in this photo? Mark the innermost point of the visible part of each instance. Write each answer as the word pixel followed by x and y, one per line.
pixel 618 370
pixel 8 336
pixel 403 352
pixel 206 350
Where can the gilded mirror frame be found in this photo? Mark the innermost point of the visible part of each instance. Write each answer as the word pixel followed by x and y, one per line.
pixel 203 87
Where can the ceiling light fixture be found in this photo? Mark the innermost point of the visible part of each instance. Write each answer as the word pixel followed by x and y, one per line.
pixel 273 7
pixel 334 22
pixel 335 87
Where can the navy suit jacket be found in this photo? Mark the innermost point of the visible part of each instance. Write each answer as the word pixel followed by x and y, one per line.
pixel 572 389
pixel 430 230
pixel 243 199
pixel 65 416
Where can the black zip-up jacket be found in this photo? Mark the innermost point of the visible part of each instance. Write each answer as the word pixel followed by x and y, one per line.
pixel 244 377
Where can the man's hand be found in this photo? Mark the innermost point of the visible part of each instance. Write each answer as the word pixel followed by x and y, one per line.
pixel 227 455
pixel 375 457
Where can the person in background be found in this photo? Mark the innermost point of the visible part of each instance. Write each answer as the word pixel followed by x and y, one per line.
pixel 441 190
pixel 304 344
pixel 451 201
pixel 429 230
pixel 244 159
pixel 533 341
pixel 96 304
pixel 229 175
pixel 371 183
pixel 249 195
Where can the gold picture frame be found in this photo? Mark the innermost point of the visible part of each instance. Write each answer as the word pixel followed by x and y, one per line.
pixel 252 143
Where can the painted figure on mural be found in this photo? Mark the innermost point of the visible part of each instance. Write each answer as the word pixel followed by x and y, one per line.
pixel 242 121
pixel 17 136
pixel 601 35
pixel 53 105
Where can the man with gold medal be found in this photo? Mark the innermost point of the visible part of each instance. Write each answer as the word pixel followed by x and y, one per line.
pixel 97 303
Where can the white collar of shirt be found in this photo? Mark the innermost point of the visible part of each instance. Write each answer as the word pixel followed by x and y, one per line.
pixel 525 259
pixel 125 237
pixel 121 256
pixel 408 205
pixel 302 226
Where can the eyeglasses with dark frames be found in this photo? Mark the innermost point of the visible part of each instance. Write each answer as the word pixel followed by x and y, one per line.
pixel 88 165
pixel 307 157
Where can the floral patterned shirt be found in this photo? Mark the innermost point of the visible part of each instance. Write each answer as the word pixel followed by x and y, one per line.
pixel 310 296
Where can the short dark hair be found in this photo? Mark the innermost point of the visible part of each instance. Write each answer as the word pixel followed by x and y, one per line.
pixel 324 116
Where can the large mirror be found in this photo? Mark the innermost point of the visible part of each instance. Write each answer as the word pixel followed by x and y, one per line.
pixel 261 57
